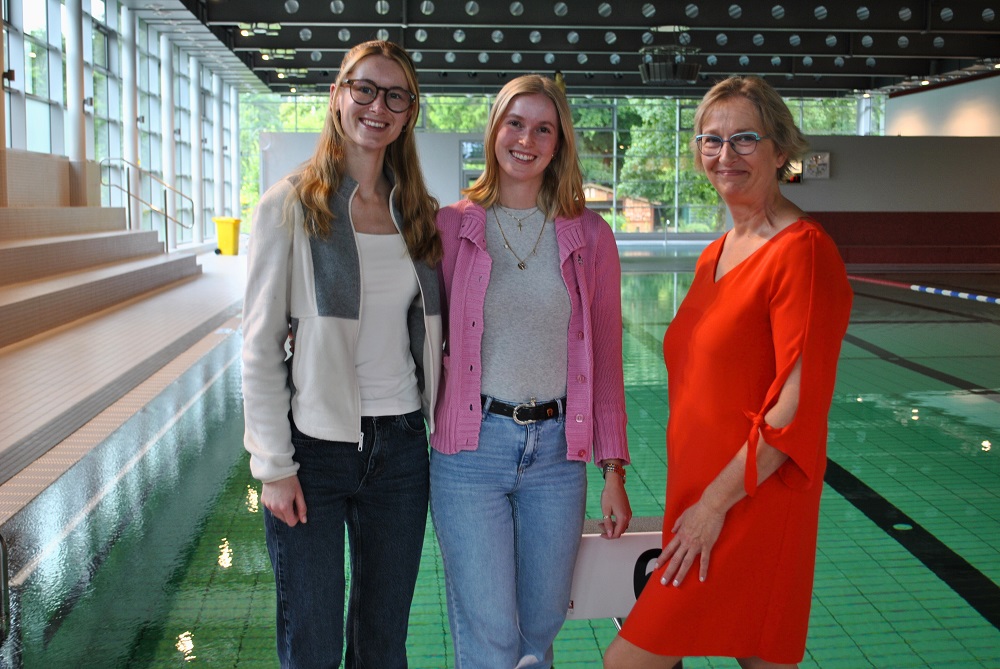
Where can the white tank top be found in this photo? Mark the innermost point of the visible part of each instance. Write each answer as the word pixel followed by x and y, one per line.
pixel 385 368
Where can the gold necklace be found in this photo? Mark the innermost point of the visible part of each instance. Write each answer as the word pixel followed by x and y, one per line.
pixel 506 244
pixel 520 221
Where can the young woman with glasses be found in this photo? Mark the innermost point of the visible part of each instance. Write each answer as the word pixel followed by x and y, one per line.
pixel 342 263
pixel 751 361
pixel 533 385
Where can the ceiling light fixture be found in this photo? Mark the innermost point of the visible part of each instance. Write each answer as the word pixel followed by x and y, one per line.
pixel 668 65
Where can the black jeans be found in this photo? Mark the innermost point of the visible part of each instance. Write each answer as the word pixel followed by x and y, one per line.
pixel 379 490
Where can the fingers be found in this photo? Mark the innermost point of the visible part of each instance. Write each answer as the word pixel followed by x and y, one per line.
pixel 678 567
pixel 672 566
pixel 619 529
pixel 614 526
pixel 664 555
pixel 300 505
pixel 694 534
pixel 608 525
pixel 619 523
pixel 286 513
pixel 279 513
pixel 285 500
pixel 683 569
pixel 678 560
pixel 617 511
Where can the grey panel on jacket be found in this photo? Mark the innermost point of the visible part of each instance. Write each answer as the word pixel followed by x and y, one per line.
pixel 428 279
pixel 336 266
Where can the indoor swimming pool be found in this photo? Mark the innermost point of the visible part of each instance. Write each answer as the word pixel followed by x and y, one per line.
pixel 150 551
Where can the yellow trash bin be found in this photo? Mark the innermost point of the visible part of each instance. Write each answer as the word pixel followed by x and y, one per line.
pixel 227 230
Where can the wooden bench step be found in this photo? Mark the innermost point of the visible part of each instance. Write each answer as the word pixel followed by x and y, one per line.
pixel 26 222
pixel 30 259
pixel 32 307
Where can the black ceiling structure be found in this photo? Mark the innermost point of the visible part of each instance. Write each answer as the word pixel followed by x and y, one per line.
pixel 817 48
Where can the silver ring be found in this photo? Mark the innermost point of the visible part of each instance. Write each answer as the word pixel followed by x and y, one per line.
pixel 605 517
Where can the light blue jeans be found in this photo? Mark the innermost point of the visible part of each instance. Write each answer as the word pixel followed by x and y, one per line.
pixel 508 518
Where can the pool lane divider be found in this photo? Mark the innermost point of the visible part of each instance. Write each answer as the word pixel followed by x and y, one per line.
pixel 946 292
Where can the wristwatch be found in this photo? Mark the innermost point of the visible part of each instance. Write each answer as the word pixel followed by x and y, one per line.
pixel 616 468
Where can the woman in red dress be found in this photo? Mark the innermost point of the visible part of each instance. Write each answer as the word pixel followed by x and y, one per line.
pixel 751 360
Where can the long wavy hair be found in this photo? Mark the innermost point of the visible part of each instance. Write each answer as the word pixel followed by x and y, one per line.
pixel 323 173
pixel 561 193
pixel 776 120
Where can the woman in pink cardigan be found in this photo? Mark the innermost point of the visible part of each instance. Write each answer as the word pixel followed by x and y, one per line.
pixel 532 387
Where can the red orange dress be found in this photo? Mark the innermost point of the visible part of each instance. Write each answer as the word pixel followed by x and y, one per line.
pixel 728 352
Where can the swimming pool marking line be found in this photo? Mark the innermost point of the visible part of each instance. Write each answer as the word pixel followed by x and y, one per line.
pixel 967 581
pixel 30 567
pixel 946 292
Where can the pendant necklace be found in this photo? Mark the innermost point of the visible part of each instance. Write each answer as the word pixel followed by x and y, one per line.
pixel 520 261
pixel 520 221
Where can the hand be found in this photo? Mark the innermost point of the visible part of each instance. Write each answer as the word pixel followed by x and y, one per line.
pixel 695 533
pixel 284 499
pixel 614 507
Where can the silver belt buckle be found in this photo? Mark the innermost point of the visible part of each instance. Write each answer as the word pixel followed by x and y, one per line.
pixel 522 406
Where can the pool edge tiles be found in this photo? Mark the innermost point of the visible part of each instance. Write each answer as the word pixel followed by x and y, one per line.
pixel 63 537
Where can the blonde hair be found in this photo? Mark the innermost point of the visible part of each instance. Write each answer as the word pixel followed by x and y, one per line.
pixel 561 193
pixel 776 120
pixel 323 173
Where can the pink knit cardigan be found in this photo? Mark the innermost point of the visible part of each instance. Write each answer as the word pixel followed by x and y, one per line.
pixel 595 390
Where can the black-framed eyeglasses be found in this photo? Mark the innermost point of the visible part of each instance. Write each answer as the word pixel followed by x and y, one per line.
pixel 364 92
pixel 743 143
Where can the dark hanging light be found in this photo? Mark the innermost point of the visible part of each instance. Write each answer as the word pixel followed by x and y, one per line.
pixel 668 65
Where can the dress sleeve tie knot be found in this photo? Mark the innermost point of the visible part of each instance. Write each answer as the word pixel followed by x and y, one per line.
pixel 750 471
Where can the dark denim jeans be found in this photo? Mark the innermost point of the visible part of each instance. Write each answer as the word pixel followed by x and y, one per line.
pixel 379 490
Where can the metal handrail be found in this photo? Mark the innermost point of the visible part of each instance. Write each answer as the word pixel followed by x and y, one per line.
pixel 5 595
pixel 166 188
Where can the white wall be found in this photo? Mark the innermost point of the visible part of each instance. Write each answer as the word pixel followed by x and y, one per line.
pixel 866 173
pixel 440 159
pixel 971 109
pixel 282 152
pixel 903 174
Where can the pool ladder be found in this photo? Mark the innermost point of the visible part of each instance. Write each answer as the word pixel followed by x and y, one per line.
pixel 5 595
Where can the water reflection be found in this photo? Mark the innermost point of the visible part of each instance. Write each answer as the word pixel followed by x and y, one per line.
pixel 938 470
pixel 253 499
pixel 90 582
pixel 649 302
pixel 185 644
pixel 225 554
pixel 653 299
